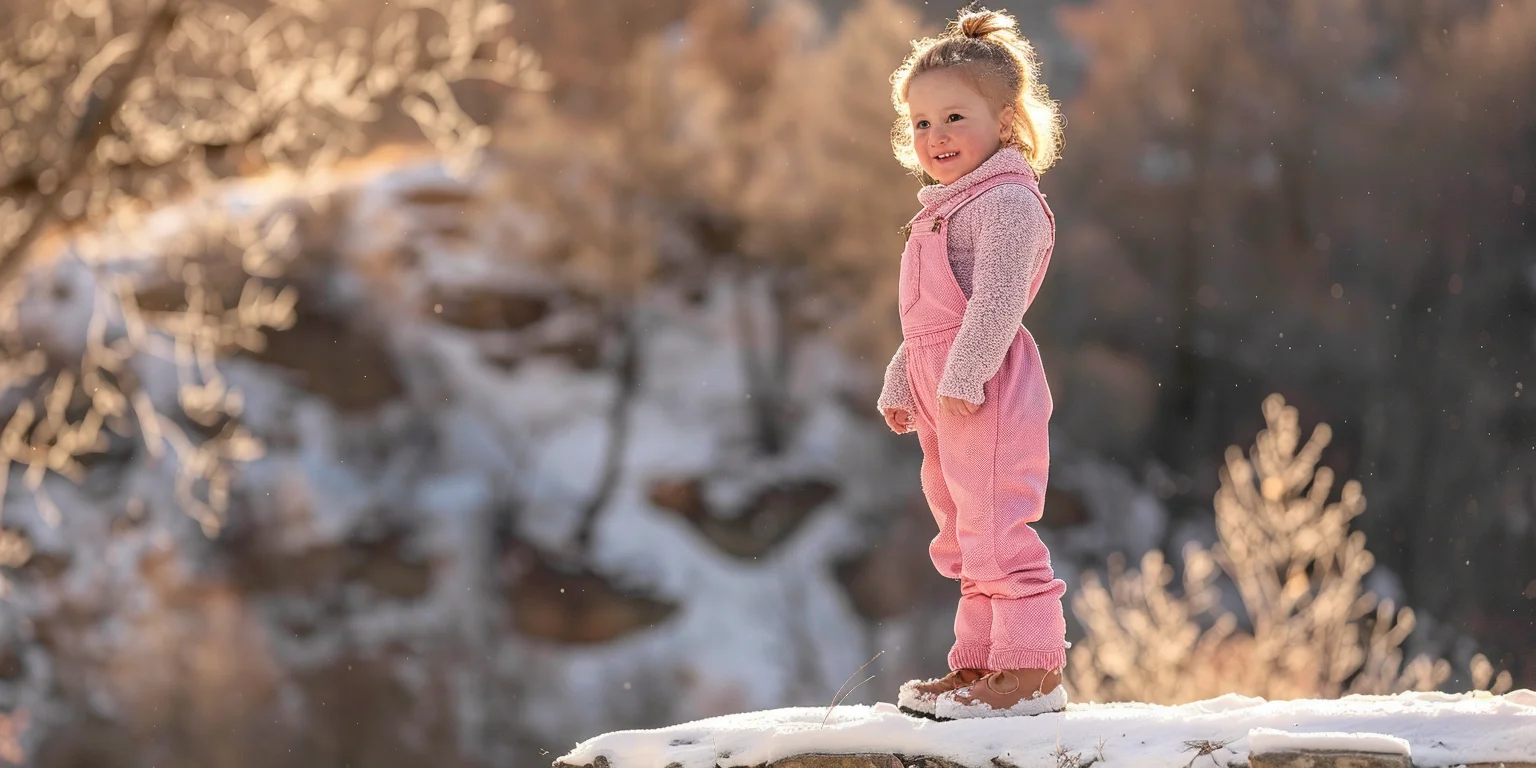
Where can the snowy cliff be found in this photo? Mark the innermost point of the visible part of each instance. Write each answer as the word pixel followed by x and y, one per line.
pixel 396 577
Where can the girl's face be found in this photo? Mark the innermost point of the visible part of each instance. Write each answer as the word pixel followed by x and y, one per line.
pixel 953 128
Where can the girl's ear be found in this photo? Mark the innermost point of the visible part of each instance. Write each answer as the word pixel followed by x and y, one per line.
pixel 1005 124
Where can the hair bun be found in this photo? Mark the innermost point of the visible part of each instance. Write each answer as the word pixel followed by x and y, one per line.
pixel 981 24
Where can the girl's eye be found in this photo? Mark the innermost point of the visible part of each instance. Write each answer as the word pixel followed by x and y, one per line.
pixel 922 124
pixel 954 117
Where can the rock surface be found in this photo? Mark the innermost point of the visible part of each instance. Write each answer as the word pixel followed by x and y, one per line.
pixel 1328 760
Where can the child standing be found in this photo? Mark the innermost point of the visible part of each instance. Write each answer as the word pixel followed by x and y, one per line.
pixel 967 376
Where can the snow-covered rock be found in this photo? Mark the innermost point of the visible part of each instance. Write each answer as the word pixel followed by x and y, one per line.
pixel 1263 741
pixel 1435 729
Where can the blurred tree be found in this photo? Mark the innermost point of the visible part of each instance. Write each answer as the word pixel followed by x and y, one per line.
pixel 790 188
pixel 113 110
pixel 726 63
pixel 719 157
pixel 1326 199
pixel 585 46
pixel 828 197
pixel 1456 247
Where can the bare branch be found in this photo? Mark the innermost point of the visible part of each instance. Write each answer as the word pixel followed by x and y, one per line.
pixel 103 128
pixel 93 126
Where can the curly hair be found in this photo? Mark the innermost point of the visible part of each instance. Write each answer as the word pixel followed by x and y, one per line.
pixel 1001 64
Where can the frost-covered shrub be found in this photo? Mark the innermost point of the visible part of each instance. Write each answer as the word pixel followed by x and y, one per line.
pixel 1310 628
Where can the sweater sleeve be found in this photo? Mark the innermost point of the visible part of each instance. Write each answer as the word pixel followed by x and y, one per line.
pixel 897 392
pixel 1010 247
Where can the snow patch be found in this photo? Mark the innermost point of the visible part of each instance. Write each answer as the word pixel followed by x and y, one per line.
pixel 1263 741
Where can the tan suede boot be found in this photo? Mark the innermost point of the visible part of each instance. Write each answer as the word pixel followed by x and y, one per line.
pixel 917 697
pixel 1009 692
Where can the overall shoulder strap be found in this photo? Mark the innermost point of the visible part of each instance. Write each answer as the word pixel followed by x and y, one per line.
pixel 960 201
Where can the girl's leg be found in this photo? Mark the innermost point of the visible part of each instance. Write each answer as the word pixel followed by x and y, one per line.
pixel 1028 628
pixel 944 550
pixel 967 658
pixel 973 617
pixel 995 464
pixel 974 631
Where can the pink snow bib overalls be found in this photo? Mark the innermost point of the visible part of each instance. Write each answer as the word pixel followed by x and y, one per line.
pixel 983 475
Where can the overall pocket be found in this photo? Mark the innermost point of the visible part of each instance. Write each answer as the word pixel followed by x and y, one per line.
pixel 909 288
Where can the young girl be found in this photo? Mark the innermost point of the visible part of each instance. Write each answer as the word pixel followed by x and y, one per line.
pixel 967 377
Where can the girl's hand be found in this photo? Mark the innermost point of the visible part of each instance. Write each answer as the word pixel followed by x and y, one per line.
pixel 954 406
pixel 898 420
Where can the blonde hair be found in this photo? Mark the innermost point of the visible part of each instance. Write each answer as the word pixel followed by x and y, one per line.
pixel 987 48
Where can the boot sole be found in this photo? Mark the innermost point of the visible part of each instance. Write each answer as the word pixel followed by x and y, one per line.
pixel 923 715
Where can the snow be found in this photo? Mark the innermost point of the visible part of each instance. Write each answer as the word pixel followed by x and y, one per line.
pixel 1263 741
pixel 1439 729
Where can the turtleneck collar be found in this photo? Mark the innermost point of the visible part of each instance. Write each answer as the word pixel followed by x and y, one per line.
pixel 1005 160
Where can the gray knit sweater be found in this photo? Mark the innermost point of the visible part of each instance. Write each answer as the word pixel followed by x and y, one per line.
pixel 996 246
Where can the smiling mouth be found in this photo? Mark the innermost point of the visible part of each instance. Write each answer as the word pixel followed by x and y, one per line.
pixel 945 156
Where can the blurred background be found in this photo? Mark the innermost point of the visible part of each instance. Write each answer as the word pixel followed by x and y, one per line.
pixel 455 380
